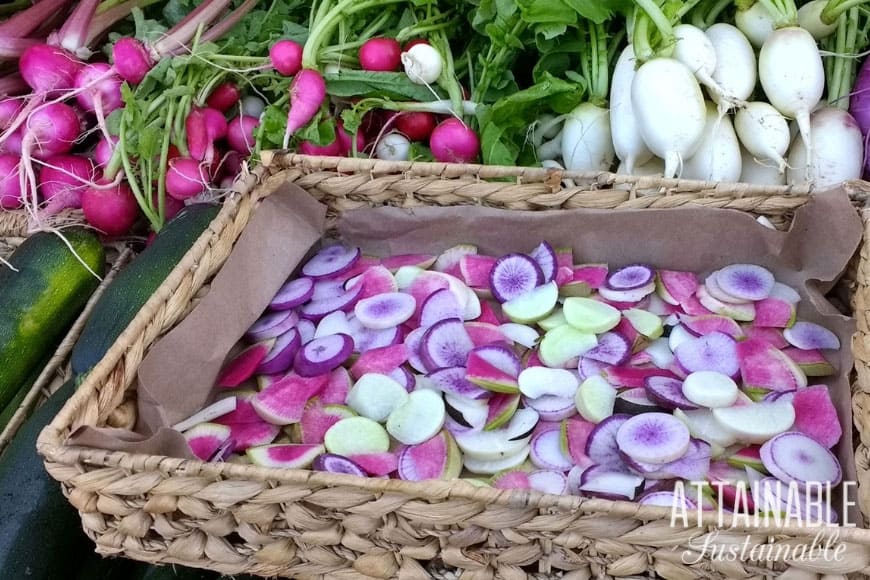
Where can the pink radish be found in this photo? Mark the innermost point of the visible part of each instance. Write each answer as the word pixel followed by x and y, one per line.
pixel 206 438
pixel 307 92
pixel 337 464
pixel 437 458
pixel 380 55
pixel 10 183
pixel 762 366
pixel 322 355
pixel 337 386
pixel 186 178
pixel 51 129
pixel 810 336
pixel 293 294
pixel 773 312
pixel 816 416
pixel 675 287
pixel 246 435
pixel 512 479
pixel 493 367
pixel 795 457
pixel 224 96
pixel 131 60
pixel 240 133
pixel 112 209
pixel 452 141
pixel 286 57
pixel 329 150
pixel 771 335
pixel 283 403
pixel 272 325
pixel 703 325
pixel 62 180
pixel 285 456
pixel 393 263
pixel 212 412
pixel 812 362
pixel 485 334
pixel 574 434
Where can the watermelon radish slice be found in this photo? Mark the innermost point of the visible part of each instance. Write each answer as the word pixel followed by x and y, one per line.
pixel 284 456
pixel 375 396
pixel 546 451
pixel 762 366
pixel 330 262
pixel 375 280
pixel 599 481
pixel 632 377
pixel 355 436
pixel 573 436
pixel 382 360
pixel 675 287
pixel 795 457
pixel 810 336
pixel 511 479
pixel 244 365
pixel 317 309
pixel 377 464
pixel 424 285
pixel 475 270
pixel 501 407
pixel 588 315
pixel 749 456
pixel 418 419
pixel 306 330
pixel 710 389
pixel 445 344
pixel 292 294
pixel 206 439
pixel 774 313
pixel 693 307
pixel 784 292
pixel 668 392
pixel 448 260
pixel 322 355
pixel 318 418
pixel 545 256
pixel 668 499
pixel 703 325
pixel 469 413
pixel 337 464
pixel 337 386
pixel 283 402
pixel 272 325
pixel 280 358
pixel 532 306
pixel 439 305
pixel 613 349
pixel 601 447
pixel 653 438
pixel 483 334
pixel 393 263
pixel 712 287
pixel 246 435
pixel 713 352
pixel 452 381
pixel 488 315
pixel 495 367
pixel 490 466
pixel 816 416
pixel 595 399
pixel 812 362
pixel 520 333
pixel 745 281
pixel 593 275
pixel 219 408
pixel 333 323
pixel 436 458
pixel 552 408
pixel 742 312
pixel 539 381
pixel 384 311
pixel 514 275
pixel 548 481
pixel 244 411
pixel 758 422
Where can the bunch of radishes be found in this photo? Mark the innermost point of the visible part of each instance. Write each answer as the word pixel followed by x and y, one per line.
pixel 575 379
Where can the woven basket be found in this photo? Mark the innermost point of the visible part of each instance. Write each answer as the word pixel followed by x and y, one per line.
pixel 299 524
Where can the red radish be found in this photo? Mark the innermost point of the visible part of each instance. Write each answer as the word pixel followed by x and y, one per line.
pixel 200 139
pixel 795 457
pixel 286 57
pixel 112 209
pixel 283 402
pixel 816 416
pixel 224 96
pixel 51 129
pixel 103 151
pixel 416 126
pixel 186 178
pixel 285 456
pixel 272 325
pixel 452 141
pixel 346 140
pixel 10 182
pixel 131 60
pixel 307 92
pixel 322 355
pixel 62 180
pixel 244 365
pixel 380 54
pixel 206 438
pixel 240 133
pixel 810 336
pixel 103 92
pixel 437 458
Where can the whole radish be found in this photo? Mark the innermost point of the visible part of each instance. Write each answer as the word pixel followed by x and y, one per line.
pixel 695 50
pixel 224 96
pixel 380 55
pixel 670 110
pixel 131 60
pixel 736 69
pixel 764 132
pixel 286 57
pixel 10 183
pixel 756 22
pixel 628 144
pixel 837 154
pixel 859 102
pixel 240 133
pixel 718 155
pixel 112 209
pixel 103 89
pixel 587 143
pixel 186 178
pixel 62 180
pixel 416 126
pixel 331 150
pixel 792 76
pixel 423 64
pixel 453 141
pixel 51 130
pixel 810 19
pixel 307 92
pixel 759 171
pixel 253 106
pixel 103 150
pixel 393 147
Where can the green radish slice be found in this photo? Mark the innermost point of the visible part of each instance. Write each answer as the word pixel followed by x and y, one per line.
pixel 774 313
pixel 816 416
pixel 704 426
pixel 283 402
pixel 646 323
pixel 418 419
pixel 712 287
pixel 284 456
pixel 549 481
pixel 563 344
pixel 331 262
pixel 355 436
pixel 488 466
pixel 514 275
pixel 758 422
pixel 810 336
pixel 588 315
pixel 742 312
pixel 501 408
pixel 206 438
pixel 436 458
pixel 384 311
pixel 520 333
pixel 533 305
pixel 763 366
pixel 406 275
pixel 795 457
pixel 749 456
pixel 595 399
pixel 375 396
pixel 535 382
pixel 710 389
pixel 653 438
pixel 556 319
pixel 746 281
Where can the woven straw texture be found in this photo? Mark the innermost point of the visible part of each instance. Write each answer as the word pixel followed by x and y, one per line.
pixel 237 518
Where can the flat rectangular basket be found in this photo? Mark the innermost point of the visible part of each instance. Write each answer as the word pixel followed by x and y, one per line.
pixel 236 518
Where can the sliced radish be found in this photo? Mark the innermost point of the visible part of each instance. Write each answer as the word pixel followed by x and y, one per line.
pixel 762 366
pixel 711 284
pixel 331 262
pixel 452 381
pixel 484 334
pixel 272 325
pixel 375 396
pixel 601 447
pixel 393 263
pixel 592 275
pixel 795 457
pixel 500 409
pixel 366 339
pixel 668 392
pixel 746 281
pixel 554 320
pixel 646 323
pixel 743 312
pixel 318 418
pixel 574 434
pixel 679 334
pixel 713 352
pixel 404 377
pixel 337 387
pixel 439 305
pixel 246 435
pixel 774 313
pixel 628 298
pixel 612 349
pixel 377 464
pixel 693 307
pixel 322 355
pixel 292 294
pixel 494 445
pixel 548 481
pixel 552 408
pixel 333 463
pixel 660 354
pixel 406 275
pixel 414 342
pixel 694 465
pixel 244 365
pixel 487 466
pixel 710 389
pixel 533 305
pixel 564 344
pixel 545 256
pixel 326 289
pixel 375 280
pixel 283 402
pixel 333 323
pixel 382 360
pixel 284 456
pixel 520 333
pixel 511 479
pixel 356 435
pixel 809 336
pixel 418 419
pixel 306 330
pixel 206 439
pixel 385 310
pixel 816 416
pixel 633 377
pixel 436 458
pixel 448 260
pixel 538 381
pixel 280 358
pixel 758 422
pixel 595 399
pixel 635 401
pixel 590 315
pixel 514 275
pixel 784 292
pixel 470 413
pixel 702 325
pixel 547 453
pixel 630 277
pixel 668 499
pixel 445 344
pixel 599 481
pixel 704 426
pixel 653 438
pixel 317 309
pixel 476 269
pixel 675 287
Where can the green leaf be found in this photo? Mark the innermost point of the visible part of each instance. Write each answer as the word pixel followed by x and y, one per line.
pixel 593 10
pixel 274 122
pixel 360 84
pixel 495 148
pixel 320 131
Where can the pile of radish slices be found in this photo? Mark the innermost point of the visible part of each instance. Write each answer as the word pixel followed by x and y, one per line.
pixel 527 371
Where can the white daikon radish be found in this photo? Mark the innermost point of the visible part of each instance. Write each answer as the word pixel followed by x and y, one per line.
pixel 736 67
pixel 695 50
pixel 810 19
pixel 757 23
pixel 628 143
pixel 837 152
pixel 718 155
pixel 759 171
pixel 587 144
pixel 763 131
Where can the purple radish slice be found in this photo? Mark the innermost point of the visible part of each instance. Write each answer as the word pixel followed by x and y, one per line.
pixel 322 355
pixel 292 294
pixel 327 289
pixel 514 275
pixel 712 287
pixel 246 435
pixel 702 325
pixel 552 408
pixel 393 263
pixel 272 325
pixel 548 481
pixel 283 402
pixel 635 401
pixel 318 418
pixel 366 339
pixel 380 360
pixel 306 330
pixel 501 407
pixel 710 389
pixel 414 341
pixel 418 419
pixel 452 381
pixel 317 309
pixel 333 463
pixel 713 352
pixel 743 312
pixel 356 435
pixel 546 452
pixel 284 456
pixel 811 336
pixel 385 310
pixel 668 392
pixel 445 344
pixel 668 499
pixel 376 464
pixel 758 422
pixel 653 438
pixel 468 413
pixel 783 292
pixel 404 377
pixel 816 416
pixel 762 366
pixel 336 389
pixel 375 396
pixel 475 269
pixel 587 368
pixel 630 277
pixel 520 333
pixel 539 381
pixel 675 287
pixel 439 305
pixel 436 458
pixel 210 413
pixel 545 256
pixel 574 434
pixel 574 476
pixel 331 262
pixel 612 349
pixel 333 323
pixel 280 358
pixel 244 365
pixel 206 438
pixel 601 482
pixel 795 457
pixel 511 479
pixel 745 281
pixel 601 446
pixel 694 465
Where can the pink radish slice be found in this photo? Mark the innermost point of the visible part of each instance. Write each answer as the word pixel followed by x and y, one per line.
pixel 545 256
pixel 547 452
pixel 501 357
pixel 575 434
pixel 333 463
pixel 712 287
pixel 630 277
pixel 475 270
pixel 552 408
pixel 375 280
pixel 795 457
pixel 484 334
pixel 380 360
pixel 393 263
pixel 414 342
pixel 668 392
pixel 773 313
pixel 668 499
pixel 330 262
pixel 693 307
pixel 281 356
pixel 289 456
pixel 272 325
pixel 326 289
pixel 321 355
pixel 810 336
pixel 512 479
pixel 206 438
pixel 514 275
pixel 713 352
pixel 244 412
pixel 246 435
pixel 612 349
pixel 676 287
pixel 318 418
pixel 448 261
pixel 549 481
pixel 437 458
pixel 601 445
pixel 317 309
pixel 653 438
pixel 306 330
pixel 816 416
pixel 283 402
pixel 452 381
pixel 488 315
pixel 632 376
pixel 439 305
pixel 337 387
pixel 493 367
pixel 593 275
pixel 244 365
pixel 385 310
pixel 602 482
pixel 745 281
pixel 701 325
pixel 763 366
pixel 445 344
pixel 292 294
pixel 376 464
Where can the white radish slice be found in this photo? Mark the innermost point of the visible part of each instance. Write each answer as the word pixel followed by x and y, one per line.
pixel 385 310
pixel 292 294
pixel 679 334
pixel 217 409
pixel 513 275
pixel 710 389
pixel 522 423
pixel 330 262
pixel 758 422
pixel 660 352
pixel 811 336
pixel 321 355
pixel 418 419
pixel 549 481
pixel 601 447
pixel 495 465
pixel 795 457
pixel 547 451
pixel 356 436
pixel 653 438
pixel 375 396
pixel 333 323
pixel 490 445
pixel 575 475
pixel 467 412
pixel 272 325
pixel 472 305
pixel 327 288
pixel 703 425
pixel 595 399
pixel 520 333
pixel 784 292
pixel 533 305
pixel 600 481
pixel 317 309
pixel 445 344
pixel 588 315
pixel 746 281
pixel 538 381
pixel 712 352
